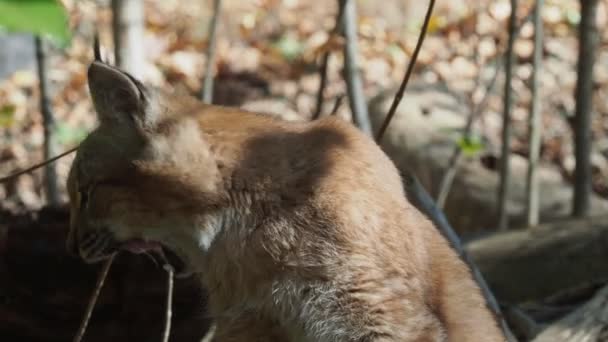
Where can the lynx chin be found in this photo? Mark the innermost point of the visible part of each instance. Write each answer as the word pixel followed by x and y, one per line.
pixel 299 231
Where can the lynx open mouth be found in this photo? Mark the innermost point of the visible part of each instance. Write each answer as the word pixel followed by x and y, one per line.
pixel 159 252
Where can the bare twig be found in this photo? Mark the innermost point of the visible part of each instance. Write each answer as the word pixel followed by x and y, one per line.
pixel 207 93
pixel 337 105
pixel 48 123
pixel 36 166
pixel 408 73
pixel 169 302
pixel 352 76
pixel 534 127
pixel 521 322
pixel 588 40
pixel 448 177
pixel 210 334
pixel 450 174
pixel 436 215
pixel 323 69
pixel 87 316
pixel 503 191
pixel 322 84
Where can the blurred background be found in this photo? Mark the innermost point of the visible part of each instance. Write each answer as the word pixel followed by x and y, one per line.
pixel 543 248
pixel 268 54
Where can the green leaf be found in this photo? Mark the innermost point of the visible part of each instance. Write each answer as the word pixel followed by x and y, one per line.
pixel 573 17
pixel 470 146
pixel 7 116
pixel 394 50
pixel 40 17
pixel 68 135
pixel 289 47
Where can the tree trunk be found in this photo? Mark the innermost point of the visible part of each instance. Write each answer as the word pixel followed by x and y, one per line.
pixel 534 122
pixel 323 69
pixel 128 26
pixel 587 324
pixel 503 190
pixel 207 93
pixel 354 84
pixel 588 39
pixel 48 122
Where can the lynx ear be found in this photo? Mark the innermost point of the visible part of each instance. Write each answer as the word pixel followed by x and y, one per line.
pixel 118 97
pixel 96 47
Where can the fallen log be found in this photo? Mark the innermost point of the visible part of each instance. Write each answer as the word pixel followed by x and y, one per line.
pixel 535 263
pixel 589 323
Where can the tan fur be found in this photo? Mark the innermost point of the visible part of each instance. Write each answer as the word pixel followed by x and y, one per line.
pixel 300 231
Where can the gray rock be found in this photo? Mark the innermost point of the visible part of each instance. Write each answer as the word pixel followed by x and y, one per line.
pixel 418 139
pixel 18 52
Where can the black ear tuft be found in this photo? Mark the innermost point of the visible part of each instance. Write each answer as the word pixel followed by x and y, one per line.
pixel 117 96
pixel 96 47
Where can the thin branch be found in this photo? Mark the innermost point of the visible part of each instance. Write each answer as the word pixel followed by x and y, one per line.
pixel 100 280
pixel 521 322
pixel 425 202
pixel 352 76
pixel 337 105
pixel 408 73
pixel 48 123
pixel 322 85
pixel 503 191
pixel 534 122
pixel 323 68
pixel 210 334
pixel 36 166
pixel 169 302
pixel 450 174
pixel 207 93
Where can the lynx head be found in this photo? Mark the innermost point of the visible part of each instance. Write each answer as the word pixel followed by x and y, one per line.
pixel 143 176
